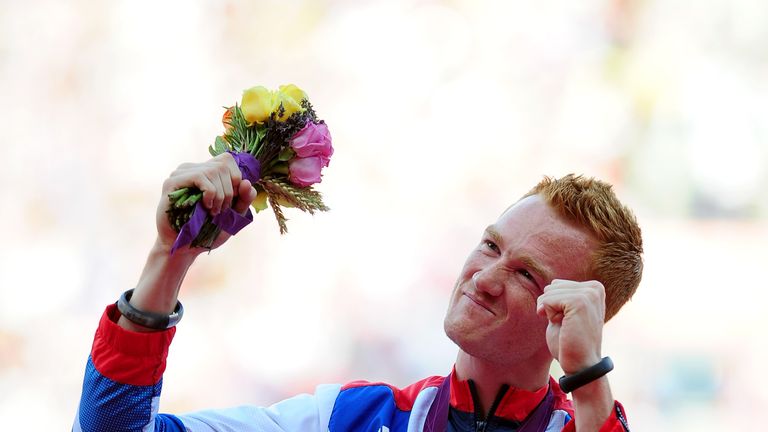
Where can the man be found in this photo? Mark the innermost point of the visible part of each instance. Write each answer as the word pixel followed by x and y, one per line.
pixel 539 286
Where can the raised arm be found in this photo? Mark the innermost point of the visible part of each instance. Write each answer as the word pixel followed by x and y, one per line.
pixel 123 376
pixel 158 286
pixel 576 314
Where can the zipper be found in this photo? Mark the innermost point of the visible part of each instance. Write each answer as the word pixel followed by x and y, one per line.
pixel 482 422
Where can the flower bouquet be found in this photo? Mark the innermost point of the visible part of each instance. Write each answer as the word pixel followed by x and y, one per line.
pixel 279 145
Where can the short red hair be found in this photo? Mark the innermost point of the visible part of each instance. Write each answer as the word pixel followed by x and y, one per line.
pixel 591 203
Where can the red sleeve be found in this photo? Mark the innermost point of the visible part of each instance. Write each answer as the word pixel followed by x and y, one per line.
pixel 617 422
pixel 129 357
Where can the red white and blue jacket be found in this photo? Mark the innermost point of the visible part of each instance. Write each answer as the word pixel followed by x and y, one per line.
pixel 123 379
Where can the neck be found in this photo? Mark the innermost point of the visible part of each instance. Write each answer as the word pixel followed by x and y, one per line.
pixel 527 374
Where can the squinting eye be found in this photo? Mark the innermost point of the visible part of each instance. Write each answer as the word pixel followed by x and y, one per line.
pixel 526 274
pixel 491 245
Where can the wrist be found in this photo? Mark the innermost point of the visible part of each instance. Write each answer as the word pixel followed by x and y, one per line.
pixel 572 366
pixel 572 381
pixel 159 283
pixel 592 389
pixel 162 248
pixel 173 266
pixel 158 286
pixel 593 404
pixel 148 320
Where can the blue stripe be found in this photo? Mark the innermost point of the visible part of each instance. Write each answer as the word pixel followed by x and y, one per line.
pixel 367 408
pixel 107 405
pixel 168 423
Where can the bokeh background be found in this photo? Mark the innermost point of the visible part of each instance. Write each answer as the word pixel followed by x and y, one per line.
pixel 442 113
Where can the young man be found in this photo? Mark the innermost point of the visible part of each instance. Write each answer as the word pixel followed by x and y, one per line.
pixel 539 286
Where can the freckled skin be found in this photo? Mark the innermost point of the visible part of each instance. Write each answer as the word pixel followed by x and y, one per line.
pixel 493 317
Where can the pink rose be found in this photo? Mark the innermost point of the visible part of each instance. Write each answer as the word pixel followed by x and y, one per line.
pixel 305 172
pixel 313 140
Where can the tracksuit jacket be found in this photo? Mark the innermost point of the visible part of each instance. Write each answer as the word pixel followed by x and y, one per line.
pixel 123 379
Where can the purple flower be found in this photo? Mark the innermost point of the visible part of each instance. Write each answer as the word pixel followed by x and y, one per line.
pixel 313 140
pixel 305 172
pixel 313 148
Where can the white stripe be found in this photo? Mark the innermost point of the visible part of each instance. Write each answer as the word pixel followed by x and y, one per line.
pixel 421 408
pixel 154 407
pixel 76 426
pixel 305 413
pixel 557 421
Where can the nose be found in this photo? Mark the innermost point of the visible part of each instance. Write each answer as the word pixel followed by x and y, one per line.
pixel 489 281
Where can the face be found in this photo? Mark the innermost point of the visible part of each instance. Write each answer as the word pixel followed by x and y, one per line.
pixel 492 311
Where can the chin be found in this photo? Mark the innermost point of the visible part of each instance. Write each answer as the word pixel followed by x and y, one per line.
pixel 452 331
pixel 462 337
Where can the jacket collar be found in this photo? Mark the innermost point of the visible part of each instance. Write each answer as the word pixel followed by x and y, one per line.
pixel 515 405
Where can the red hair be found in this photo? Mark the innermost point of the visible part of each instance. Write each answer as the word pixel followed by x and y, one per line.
pixel 591 203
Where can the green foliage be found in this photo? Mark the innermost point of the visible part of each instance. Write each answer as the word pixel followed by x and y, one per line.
pixel 269 143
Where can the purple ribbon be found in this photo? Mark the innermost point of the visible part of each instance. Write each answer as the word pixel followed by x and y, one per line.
pixel 539 419
pixel 228 220
pixel 437 416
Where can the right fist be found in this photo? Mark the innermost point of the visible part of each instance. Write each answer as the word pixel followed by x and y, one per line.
pixel 220 181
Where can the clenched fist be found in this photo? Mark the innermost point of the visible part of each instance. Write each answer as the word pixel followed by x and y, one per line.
pixel 576 314
pixel 220 181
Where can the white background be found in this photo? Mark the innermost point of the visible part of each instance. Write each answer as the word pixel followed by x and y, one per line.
pixel 442 113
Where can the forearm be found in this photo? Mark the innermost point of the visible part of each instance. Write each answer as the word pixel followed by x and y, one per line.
pixel 159 283
pixel 593 404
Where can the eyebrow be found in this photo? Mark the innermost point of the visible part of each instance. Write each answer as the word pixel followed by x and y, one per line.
pixel 528 261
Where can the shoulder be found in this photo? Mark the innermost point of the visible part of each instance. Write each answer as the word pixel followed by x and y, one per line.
pixel 403 398
pixel 362 404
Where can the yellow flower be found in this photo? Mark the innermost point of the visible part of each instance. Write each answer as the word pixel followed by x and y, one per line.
pixel 260 202
pixel 290 96
pixel 293 92
pixel 257 104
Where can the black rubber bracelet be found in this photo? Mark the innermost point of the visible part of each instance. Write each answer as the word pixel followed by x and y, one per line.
pixel 572 382
pixel 151 320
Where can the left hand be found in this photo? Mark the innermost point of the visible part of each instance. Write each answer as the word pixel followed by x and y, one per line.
pixel 576 314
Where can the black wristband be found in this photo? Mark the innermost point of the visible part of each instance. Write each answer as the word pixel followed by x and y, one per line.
pixel 572 382
pixel 151 320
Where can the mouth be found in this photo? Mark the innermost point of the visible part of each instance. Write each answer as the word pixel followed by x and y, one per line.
pixel 478 302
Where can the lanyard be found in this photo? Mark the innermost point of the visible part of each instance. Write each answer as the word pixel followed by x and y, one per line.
pixel 538 420
pixel 437 417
